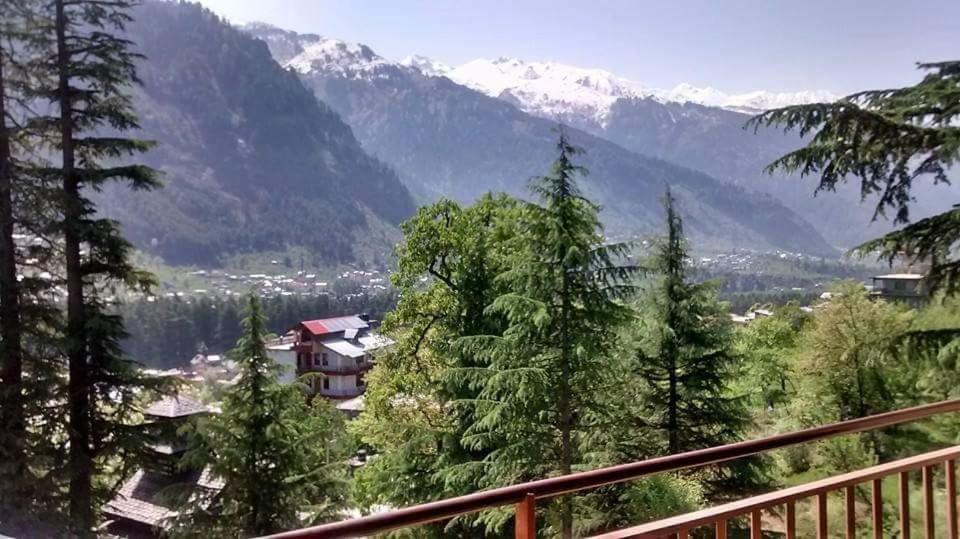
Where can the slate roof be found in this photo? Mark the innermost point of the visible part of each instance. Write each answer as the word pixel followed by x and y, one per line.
pixel 175 406
pixel 137 499
pixel 140 499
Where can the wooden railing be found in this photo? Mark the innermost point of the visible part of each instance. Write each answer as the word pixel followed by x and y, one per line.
pixel 524 496
pixel 716 518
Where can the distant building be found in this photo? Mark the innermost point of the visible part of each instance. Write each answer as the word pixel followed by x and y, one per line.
pixel 910 288
pixel 342 349
pixel 142 507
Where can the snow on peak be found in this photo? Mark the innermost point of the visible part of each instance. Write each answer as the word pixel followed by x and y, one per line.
pixel 547 88
pixel 334 55
pixel 427 66
pixel 550 89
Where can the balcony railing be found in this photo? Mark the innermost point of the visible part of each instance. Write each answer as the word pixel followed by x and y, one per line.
pixel 524 496
pixel 340 370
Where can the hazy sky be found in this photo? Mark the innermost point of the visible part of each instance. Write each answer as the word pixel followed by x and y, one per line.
pixel 732 45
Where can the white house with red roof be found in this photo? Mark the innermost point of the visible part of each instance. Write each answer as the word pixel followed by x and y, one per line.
pixel 341 348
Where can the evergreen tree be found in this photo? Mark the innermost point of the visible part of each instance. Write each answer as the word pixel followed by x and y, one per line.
pixel 540 409
pixel 887 139
pixel 685 356
pixel 92 67
pixel 415 414
pixel 30 380
pixel 277 456
pixel 12 421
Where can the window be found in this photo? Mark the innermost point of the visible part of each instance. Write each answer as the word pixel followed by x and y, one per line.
pixel 323 359
pixel 299 360
pixel 326 383
pixel 314 359
pixel 360 381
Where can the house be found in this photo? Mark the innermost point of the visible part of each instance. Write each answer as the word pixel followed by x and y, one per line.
pixel 341 349
pixel 143 507
pixel 910 288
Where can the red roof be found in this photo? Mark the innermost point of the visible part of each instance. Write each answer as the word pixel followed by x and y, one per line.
pixel 326 326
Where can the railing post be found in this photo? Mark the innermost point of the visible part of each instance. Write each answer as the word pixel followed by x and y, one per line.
pixel 928 523
pixel 721 529
pixel 822 516
pixel 850 503
pixel 905 505
pixel 756 525
pixel 951 479
pixel 791 520
pixel 526 518
pixel 877 503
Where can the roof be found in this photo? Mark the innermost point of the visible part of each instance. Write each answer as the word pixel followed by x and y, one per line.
pixel 137 499
pixel 175 406
pixel 904 276
pixel 326 326
pixel 356 348
pixel 141 498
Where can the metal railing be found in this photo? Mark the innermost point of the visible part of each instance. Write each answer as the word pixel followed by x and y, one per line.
pixel 524 496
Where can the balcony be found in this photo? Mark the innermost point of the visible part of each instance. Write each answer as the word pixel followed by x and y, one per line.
pixel 715 521
pixel 340 370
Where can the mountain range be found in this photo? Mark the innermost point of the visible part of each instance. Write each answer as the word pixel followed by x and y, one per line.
pixel 448 139
pixel 271 140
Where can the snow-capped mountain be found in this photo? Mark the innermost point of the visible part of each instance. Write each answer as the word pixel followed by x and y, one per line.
pixel 462 131
pixel 547 89
pixel 427 66
pixel 556 90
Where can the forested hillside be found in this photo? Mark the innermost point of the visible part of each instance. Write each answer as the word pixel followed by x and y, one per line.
pixel 251 160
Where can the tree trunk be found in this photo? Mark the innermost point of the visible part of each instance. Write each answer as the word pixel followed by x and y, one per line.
pixel 81 465
pixel 566 415
pixel 12 423
pixel 672 404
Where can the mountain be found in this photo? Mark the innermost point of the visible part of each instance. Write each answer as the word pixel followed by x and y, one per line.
pixel 554 90
pixel 252 161
pixel 701 128
pixel 446 139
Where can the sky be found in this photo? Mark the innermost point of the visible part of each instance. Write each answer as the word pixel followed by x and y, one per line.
pixel 732 45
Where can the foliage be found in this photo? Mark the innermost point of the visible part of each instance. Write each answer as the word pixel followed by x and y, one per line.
pixel 278 457
pixel 767 347
pixel 445 278
pixel 848 357
pixel 539 411
pixel 81 70
pixel 887 139
pixel 685 355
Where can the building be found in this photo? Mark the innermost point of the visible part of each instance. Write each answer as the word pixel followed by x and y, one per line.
pixel 143 506
pixel 341 349
pixel 910 288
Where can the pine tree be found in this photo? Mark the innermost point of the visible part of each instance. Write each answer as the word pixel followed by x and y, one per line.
pixel 685 356
pixel 277 456
pixel 92 68
pixel 887 139
pixel 540 404
pixel 30 381
pixel 12 421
